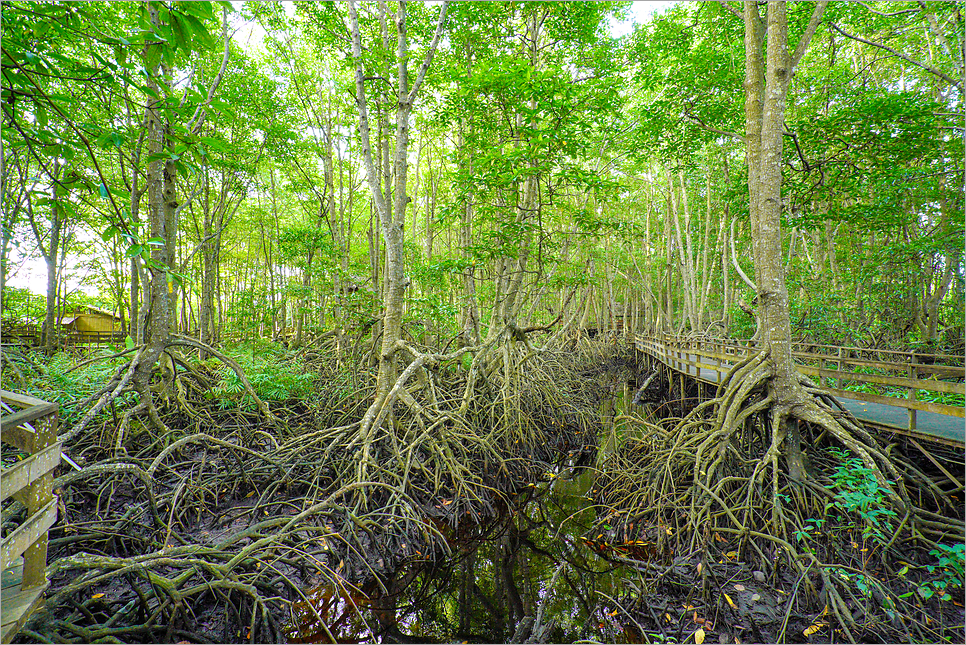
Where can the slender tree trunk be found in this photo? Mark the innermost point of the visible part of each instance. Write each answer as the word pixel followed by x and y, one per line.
pixel 391 220
pixel 766 87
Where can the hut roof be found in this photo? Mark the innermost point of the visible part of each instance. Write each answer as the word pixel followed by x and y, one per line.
pixel 90 309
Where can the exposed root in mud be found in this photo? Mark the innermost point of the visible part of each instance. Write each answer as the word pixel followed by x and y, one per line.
pixel 783 487
pixel 212 527
pixel 135 375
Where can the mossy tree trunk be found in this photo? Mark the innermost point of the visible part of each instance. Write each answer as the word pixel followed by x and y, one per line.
pixel 767 78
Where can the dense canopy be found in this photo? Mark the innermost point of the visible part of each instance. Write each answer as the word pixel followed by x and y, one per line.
pixel 388 261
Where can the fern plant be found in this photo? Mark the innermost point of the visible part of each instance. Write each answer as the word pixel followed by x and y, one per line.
pixel 274 375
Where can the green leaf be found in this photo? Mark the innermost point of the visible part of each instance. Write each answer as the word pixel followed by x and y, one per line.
pixel 109 233
pixel 134 251
pixel 128 342
pixel 155 241
pixel 198 28
pixel 181 31
pixel 104 192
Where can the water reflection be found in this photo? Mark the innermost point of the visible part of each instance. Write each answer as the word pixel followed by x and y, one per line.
pixel 535 577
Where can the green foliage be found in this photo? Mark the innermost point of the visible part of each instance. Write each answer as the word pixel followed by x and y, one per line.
pixel 61 383
pixel 951 559
pixel 274 374
pixel 20 305
pixel 859 492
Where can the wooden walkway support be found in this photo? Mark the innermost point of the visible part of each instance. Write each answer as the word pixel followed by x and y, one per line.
pixel 906 374
pixel 32 429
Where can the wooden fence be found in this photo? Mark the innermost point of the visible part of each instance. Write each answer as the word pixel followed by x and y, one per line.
pixel 31 336
pixel 31 428
pixel 906 377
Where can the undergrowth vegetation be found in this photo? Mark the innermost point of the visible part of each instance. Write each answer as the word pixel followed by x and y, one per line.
pixel 273 372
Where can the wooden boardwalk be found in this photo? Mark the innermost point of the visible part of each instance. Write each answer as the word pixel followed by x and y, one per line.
pixel 834 368
pixel 31 428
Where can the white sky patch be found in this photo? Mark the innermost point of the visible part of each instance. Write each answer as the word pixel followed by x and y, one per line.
pixel 641 11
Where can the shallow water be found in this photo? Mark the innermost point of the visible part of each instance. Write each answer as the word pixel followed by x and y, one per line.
pixel 538 570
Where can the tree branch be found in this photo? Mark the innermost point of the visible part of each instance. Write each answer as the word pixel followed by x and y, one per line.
pixel 928 68
pixel 724 4
pixel 441 22
pixel 200 113
pixel 382 208
pixel 704 126
pixel 734 261
pixel 806 38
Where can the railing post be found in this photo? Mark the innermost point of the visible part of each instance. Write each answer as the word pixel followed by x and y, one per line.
pixel 35 498
pixel 719 351
pixel 913 391
pixel 839 382
pixel 821 367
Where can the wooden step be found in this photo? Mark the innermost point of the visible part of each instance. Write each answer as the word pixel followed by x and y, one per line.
pixel 18 604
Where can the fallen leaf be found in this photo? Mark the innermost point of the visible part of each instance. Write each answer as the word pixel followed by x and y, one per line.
pixel 96 596
pixel 730 601
pixel 699 568
pixel 668 618
pixel 755 598
pixel 250 494
pixel 731 555
pixel 739 587
pixel 699 636
pixel 813 628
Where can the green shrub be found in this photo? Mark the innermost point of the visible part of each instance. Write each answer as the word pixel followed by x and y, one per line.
pixel 274 374
pixel 858 492
pixel 951 559
pixel 62 384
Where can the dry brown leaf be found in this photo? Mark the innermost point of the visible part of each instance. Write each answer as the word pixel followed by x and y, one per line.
pixel 739 587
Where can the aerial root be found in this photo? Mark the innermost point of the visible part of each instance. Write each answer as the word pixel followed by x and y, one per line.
pixel 727 467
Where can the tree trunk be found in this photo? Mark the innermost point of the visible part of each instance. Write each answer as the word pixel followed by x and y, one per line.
pixel 391 221
pixel 766 87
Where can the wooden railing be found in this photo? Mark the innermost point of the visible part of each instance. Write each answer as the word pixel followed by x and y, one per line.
pixel 94 338
pixel 31 427
pixel 907 374
pixel 31 336
pixel 28 334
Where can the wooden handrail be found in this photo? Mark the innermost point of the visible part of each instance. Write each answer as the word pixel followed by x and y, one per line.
pixel 31 428
pixel 691 355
